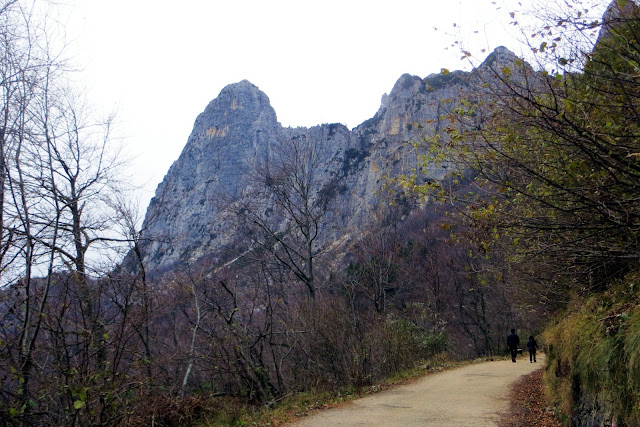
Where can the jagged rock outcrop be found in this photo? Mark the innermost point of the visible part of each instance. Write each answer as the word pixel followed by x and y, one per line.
pixel 618 13
pixel 188 220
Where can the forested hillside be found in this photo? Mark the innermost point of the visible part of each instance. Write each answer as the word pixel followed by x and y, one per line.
pixel 271 262
pixel 555 155
pixel 277 262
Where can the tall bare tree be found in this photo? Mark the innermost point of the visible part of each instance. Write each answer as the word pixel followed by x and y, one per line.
pixel 288 208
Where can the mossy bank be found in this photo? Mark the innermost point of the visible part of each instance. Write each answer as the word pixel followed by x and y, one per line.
pixel 593 352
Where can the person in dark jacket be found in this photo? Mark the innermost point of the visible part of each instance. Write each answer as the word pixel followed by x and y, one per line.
pixel 513 342
pixel 532 345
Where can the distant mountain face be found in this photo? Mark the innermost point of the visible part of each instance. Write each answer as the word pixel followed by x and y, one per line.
pixel 188 219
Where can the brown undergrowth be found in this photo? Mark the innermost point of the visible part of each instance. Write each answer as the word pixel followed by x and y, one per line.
pixel 299 405
pixel 529 405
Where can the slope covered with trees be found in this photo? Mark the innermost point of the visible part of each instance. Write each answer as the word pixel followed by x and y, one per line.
pixel 554 154
pixel 541 217
pixel 85 343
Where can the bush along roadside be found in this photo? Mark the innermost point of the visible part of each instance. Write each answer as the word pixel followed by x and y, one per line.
pixel 301 404
pixel 593 358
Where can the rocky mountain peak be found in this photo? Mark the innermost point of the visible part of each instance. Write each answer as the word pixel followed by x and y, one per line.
pixel 500 57
pixel 191 217
pixel 237 104
pixel 240 95
pixel 406 83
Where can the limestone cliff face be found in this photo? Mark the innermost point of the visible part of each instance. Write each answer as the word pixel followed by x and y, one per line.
pixel 617 14
pixel 184 220
pixel 187 220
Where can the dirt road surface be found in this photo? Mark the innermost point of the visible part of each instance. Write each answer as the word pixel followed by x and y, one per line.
pixel 473 395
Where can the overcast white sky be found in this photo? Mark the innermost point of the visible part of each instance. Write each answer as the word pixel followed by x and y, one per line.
pixel 158 63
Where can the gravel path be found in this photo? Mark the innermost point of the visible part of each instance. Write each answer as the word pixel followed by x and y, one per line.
pixel 473 395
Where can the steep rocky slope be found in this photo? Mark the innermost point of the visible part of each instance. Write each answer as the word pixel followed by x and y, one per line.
pixel 187 219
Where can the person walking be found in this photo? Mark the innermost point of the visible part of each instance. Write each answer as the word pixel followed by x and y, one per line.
pixel 513 342
pixel 532 345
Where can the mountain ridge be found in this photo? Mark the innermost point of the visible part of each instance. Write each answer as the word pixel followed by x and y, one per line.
pixel 188 217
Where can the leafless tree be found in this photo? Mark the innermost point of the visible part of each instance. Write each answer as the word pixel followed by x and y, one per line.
pixel 26 66
pixel 375 273
pixel 288 207
pixel 57 179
